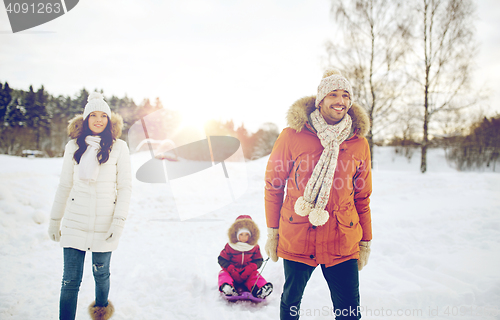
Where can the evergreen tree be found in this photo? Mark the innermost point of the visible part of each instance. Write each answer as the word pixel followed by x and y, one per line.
pixel 16 114
pixel 28 102
pixel 16 136
pixel 41 120
pixel 59 109
pixel 158 104
pixel 5 99
pixel 79 103
pixel 480 149
pixel 245 140
pixel 145 108
pixel 37 117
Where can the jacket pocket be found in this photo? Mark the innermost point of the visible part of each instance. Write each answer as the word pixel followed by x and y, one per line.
pixel 348 232
pixel 294 230
pixel 288 212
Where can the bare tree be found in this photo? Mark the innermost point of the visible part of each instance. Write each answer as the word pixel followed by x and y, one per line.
pixel 369 51
pixel 443 55
pixel 405 132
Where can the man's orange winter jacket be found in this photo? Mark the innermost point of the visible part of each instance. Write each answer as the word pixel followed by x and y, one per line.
pixel 291 163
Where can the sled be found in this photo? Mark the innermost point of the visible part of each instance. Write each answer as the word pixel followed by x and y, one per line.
pixel 243 294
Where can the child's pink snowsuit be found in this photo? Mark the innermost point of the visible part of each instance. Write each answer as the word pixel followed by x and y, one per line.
pixel 239 256
pixel 225 277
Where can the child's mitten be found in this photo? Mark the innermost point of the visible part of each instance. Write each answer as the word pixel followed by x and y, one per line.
pixel 248 270
pixel 234 273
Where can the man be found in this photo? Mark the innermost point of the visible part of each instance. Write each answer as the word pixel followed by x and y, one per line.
pixel 323 160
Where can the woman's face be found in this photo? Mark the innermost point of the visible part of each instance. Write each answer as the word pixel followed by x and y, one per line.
pixel 98 121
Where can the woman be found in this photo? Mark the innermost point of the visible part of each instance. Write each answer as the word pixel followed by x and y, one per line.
pixel 92 201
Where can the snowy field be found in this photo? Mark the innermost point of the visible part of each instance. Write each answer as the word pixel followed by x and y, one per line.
pixel 435 252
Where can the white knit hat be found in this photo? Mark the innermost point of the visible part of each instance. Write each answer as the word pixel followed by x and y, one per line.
pixel 332 80
pixel 240 231
pixel 96 103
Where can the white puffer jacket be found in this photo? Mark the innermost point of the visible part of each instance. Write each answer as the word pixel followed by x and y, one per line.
pixel 87 210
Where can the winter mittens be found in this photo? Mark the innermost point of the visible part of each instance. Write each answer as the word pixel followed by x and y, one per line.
pixel 364 254
pixel 248 270
pixel 54 230
pixel 234 274
pixel 116 229
pixel 272 243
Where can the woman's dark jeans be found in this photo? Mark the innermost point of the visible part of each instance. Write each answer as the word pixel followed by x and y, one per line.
pixel 72 277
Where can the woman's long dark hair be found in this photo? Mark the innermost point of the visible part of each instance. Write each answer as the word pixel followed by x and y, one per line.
pixel 106 142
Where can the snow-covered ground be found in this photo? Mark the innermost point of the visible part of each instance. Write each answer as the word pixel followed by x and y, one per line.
pixel 435 252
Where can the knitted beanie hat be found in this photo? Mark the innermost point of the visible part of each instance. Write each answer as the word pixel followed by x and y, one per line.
pixel 332 80
pixel 244 216
pixel 96 103
pixel 242 230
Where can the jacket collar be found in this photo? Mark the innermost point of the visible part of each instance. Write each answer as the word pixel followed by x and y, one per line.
pixel 241 246
pixel 75 126
pixel 298 116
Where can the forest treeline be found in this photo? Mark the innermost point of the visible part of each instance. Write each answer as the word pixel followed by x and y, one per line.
pixel 37 120
pixel 479 149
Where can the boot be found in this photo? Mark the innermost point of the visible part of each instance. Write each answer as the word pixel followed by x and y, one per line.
pixel 228 290
pixel 263 291
pixel 101 313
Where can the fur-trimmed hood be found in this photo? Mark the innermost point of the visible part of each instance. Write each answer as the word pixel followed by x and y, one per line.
pixel 299 112
pixel 75 126
pixel 244 223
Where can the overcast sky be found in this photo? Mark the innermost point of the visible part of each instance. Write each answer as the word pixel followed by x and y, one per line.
pixel 245 60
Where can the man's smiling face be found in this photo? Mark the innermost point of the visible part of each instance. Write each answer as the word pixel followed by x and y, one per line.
pixel 334 106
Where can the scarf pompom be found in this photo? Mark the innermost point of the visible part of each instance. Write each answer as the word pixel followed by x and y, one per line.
pixel 302 207
pixel 318 217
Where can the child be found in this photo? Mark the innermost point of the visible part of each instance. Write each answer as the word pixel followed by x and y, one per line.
pixel 240 260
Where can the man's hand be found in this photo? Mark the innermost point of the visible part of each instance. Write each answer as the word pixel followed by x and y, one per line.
pixel 364 254
pixel 272 243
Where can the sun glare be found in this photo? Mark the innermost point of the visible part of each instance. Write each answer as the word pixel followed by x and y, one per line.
pixel 195 121
pixel 191 128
